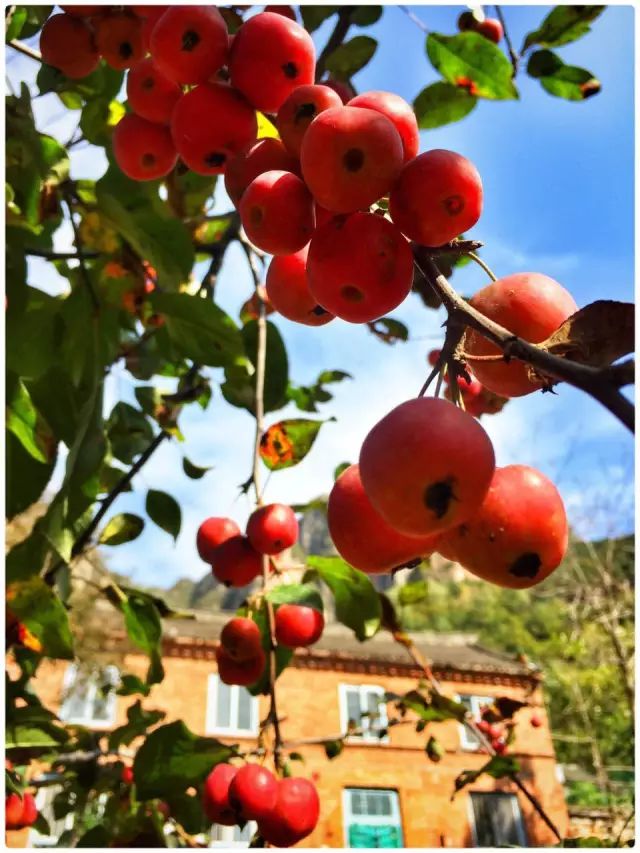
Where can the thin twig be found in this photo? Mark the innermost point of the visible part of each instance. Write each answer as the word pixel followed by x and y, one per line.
pixel 335 39
pixel 80 255
pixel 50 255
pixel 513 56
pixel 416 20
pixel 594 381
pixel 21 47
pixel 482 264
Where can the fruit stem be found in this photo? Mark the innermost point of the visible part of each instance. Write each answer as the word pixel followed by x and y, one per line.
pixel 26 50
pixel 482 264
pixel 513 56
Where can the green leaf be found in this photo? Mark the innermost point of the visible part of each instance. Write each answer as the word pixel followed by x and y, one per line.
pixel 499 766
pixel 15 23
pixel 164 511
pixel 110 477
pixel 562 25
pixel 199 330
pixel 434 707
pixel 283 653
pixel 138 721
pixel 349 58
pixel 339 469
pixel 563 81
pixel 129 432
pixel 36 16
pixel 122 528
pixel 442 103
pixel 25 478
pixel 195 472
pixel 27 424
pixel 364 16
pixel 131 684
pixel 313 16
pixel 173 759
pixel 469 58
pixel 388 330
pixel 306 594
pixel 356 599
pixel 98 119
pixel 239 386
pixel 36 323
pixel 33 727
pixel 307 398
pixel 35 604
pixel 333 748
pixel 286 443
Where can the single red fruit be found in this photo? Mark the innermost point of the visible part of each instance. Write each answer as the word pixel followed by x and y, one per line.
pixel 350 158
pixel 29 810
pixel 236 562
pixel 190 43
pixel 270 57
pixel 295 814
pixel 13 809
pixel 299 110
pixel 264 155
pixel 253 792
pixel 272 528
pixel 67 43
pixel 127 775
pixel 244 672
pixel 426 466
pixel 277 212
pixel 530 305
pixel 288 290
pixel 359 267
pixel 399 113
pixel 484 726
pixel 150 94
pixel 499 746
pixel 345 91
pixel 215 795
pixel 491 28
pixel 241 639
pixel 119 39
pixel 143 150
pixel 361 535
pixel 494 732
pixel 210 124
pixel 297 625
pixel 438 196
pixel 149 20
pixel 287 11
pixel 433 357
pixel 517 536
pixel 535 721
pixel 212 533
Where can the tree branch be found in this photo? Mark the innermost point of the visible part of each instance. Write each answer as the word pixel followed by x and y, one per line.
pixel 62 256
pixel 21 47
pixel 416 20
pixel 335 39
pixel 594 381
pixel 513 56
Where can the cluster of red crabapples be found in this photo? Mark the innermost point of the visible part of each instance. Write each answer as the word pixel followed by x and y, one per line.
pixel 20 811
pixel 236 560
pixel 427 479
pixel 286 810
pixel 490 28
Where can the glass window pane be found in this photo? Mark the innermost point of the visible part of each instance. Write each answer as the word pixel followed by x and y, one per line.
pixel 357 805
pixel 385 805
pixel 373 707
pixel 244 709
pixel 494 820
pixel 223 705
pixel 76 698
pixel 353 707
pixel 100 709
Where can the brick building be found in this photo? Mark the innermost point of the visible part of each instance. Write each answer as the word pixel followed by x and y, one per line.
pixel 381 791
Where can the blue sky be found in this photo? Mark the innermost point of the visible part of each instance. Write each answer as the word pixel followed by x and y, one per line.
pixel 558 180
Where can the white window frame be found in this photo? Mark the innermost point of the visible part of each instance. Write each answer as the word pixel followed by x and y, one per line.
pixel 211 725
pixel 477 703
pixel 374 820
pixel 382 721
pixel 517 815
pixel 68 682
pixel 226 834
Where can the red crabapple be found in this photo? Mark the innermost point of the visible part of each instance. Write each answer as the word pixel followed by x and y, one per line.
pixel 13 808
pixel 297 625
pixel 210 124
pixel 150 94
pixel 519 533
pixel 242 673
pixel 127 775
pixel 287 11
pixel 241 639
pixel 426 466
pixel 253 792
pixel 190 43
pixel 272 528
pixel 344 90
pixel 490 28
pixel 295 814
pixel 149 20
pixel 235 562
pixel 433 357
pixel 398 111
pixel 361 535
pixel 288 290
pixel 270 57
pixel 67 43
pixel 529 305
pixel 119 39
pixel 499 746
pixel 359 267
pixel 535 721
pixel 299 110
pixel 212 533
pixel 215 795
pixel 438 196
pixel 277 212
pixel 82 11
pixel 350 158
pixel 264 155
pixel 143 150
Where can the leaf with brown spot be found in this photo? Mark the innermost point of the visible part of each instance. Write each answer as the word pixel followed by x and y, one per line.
pixel 597 335
pixel 287 442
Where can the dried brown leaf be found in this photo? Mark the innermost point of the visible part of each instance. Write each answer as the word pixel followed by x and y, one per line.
pixel 597 335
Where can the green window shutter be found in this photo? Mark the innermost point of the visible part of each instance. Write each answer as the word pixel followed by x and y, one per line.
pixel 362 835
